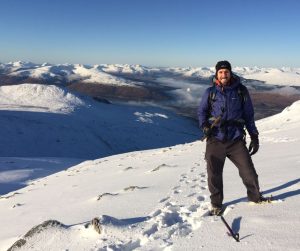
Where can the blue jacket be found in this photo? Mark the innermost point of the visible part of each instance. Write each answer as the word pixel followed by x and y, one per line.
pixel 235 113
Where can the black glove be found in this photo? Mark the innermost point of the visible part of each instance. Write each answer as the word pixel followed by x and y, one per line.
pixel 254 144
pixel 206 131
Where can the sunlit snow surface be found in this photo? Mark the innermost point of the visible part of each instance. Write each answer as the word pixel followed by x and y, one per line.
pixel 146 200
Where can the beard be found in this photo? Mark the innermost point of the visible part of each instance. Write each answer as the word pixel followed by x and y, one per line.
pixel 224 81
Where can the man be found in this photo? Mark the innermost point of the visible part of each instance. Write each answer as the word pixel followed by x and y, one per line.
pixel 225 109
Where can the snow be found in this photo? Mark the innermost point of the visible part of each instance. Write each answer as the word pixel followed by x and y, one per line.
pixel 201 72
pixel 276 76
pixel 49 121
pixel 36 97
pixel 105 73
pixel 67 72
pixel 96 75
pixel 285 76
pixel 128 69
pixel 153 199
pixel 282 127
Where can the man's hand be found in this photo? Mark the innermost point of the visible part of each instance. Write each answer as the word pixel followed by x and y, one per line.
pixel 207 131
pixel 254 144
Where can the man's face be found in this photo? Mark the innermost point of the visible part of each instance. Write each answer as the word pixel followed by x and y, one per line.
pixel 223 75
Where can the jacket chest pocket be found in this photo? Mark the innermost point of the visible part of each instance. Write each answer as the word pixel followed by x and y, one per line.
pixel 234 104
pixel 219 106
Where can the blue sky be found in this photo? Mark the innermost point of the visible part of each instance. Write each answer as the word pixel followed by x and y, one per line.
pixel 151 32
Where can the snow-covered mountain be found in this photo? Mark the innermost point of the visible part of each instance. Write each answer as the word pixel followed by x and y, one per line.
pixel 174 88
pixel 112 74
pixel 60 74
pixel 158 200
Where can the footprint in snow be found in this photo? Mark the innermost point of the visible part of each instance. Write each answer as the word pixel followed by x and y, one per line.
pixel 177 191
pixel 17 205
pixel 184 176
pixel 172 220
pixel 193 208
pixel 128 168
pixel 192 195
pixel 205 206
pixel 153 229
pixel 164 199
pixel 157 212
pixel 200 198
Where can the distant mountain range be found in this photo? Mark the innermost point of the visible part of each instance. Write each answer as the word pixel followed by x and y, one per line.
pixel 117 74
pixel 175 88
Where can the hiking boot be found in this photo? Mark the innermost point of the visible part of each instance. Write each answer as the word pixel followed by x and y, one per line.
pixel 215 211
pixel 263 200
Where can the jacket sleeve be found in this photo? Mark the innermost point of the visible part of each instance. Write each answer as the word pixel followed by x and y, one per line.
pixel 248 115
pixel 203 109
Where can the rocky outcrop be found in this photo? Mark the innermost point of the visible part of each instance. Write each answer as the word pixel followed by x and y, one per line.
pixel 36 230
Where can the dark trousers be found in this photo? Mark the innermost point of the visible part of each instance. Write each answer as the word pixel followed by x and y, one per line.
pixel 237 152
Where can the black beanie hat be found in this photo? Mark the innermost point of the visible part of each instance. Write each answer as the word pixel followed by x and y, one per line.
pixel 223 65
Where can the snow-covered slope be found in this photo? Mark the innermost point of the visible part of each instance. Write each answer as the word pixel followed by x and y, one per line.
pixel 158 200
pixel 49 121
pixel 285 123
pixel 59 129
